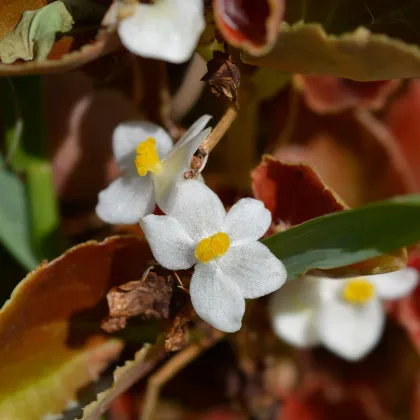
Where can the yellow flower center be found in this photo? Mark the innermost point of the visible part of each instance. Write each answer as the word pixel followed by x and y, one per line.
pixel 358 291
pixel 212 247
pixel 147 159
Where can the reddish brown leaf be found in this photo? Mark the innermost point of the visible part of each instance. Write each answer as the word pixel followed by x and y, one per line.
pixel 50 339
pixel 293 193
pixel 403 120
pixel 249 24
pixel 327 94
pixel 354 152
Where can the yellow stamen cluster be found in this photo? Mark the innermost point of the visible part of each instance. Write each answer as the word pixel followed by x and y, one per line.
pixel 358 291
pixel 212 247
pixel 147 159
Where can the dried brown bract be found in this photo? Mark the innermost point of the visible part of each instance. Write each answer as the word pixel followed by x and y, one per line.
pixel 223 77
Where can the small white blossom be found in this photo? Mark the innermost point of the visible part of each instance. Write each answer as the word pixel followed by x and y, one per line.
pixel 151 166
pixel 230 263
pixel 165 29
pixel 345 315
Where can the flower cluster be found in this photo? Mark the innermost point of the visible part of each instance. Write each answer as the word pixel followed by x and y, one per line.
pixel 230 264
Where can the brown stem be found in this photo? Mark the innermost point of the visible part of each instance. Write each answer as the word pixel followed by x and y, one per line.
pixel 168 371
pixel 219 131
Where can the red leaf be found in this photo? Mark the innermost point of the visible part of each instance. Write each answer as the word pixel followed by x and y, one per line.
pixel 293 193
pixel 249 24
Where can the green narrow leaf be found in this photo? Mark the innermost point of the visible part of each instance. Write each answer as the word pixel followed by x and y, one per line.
pixel 14 220
pixel 346 237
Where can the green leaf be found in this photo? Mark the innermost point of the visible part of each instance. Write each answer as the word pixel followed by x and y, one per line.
pixel 14 220
pixel 34 36
pixel 359 55
pixel 397 19
pixel 356 39
pixel 346 237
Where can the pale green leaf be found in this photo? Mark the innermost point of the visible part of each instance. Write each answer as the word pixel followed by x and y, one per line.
pixel 34 36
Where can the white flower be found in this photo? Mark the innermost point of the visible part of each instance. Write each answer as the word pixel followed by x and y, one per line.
pixel 230 263
pixel 345 315
pixel 151 166
pixel 166 29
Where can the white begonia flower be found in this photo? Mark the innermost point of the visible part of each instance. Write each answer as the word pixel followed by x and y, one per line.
pixel 345 315
pixel 230 263
pixel 151 166
pixel 165 29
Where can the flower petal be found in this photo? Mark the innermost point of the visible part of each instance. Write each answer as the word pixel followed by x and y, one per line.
pixel 197 208
pixel 216 299
pixel 395 285
pixel 171 245
pixel 193 131
pixel 351 331
pixel 126 200
pixel 127 137
pixel 248 219
pixel 174 167
pixel 293 309
pixel 168 30
pixel 253 268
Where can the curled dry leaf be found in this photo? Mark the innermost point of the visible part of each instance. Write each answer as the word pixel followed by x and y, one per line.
pixel 155 295
pixel 250 25
pixel 295 193
pixel 223 77
pixel 360 55
pixel 328 94
pixel 51 344
pixel 149 297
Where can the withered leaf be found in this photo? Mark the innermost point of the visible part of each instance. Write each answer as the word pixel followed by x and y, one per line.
pixel 177 337
pixel 149 297
pixel 223 77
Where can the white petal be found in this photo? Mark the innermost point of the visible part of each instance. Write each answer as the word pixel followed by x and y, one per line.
pixel 293 309
pixel 395 285
pixel 126 200
pixel 351 331
pixel 216 299
pixel 168 30
pixel 174 167
pixel 253 268
pixel 127 137
pixel 248 219
pixel 171 245
pixel 197 208
pixel 194 130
